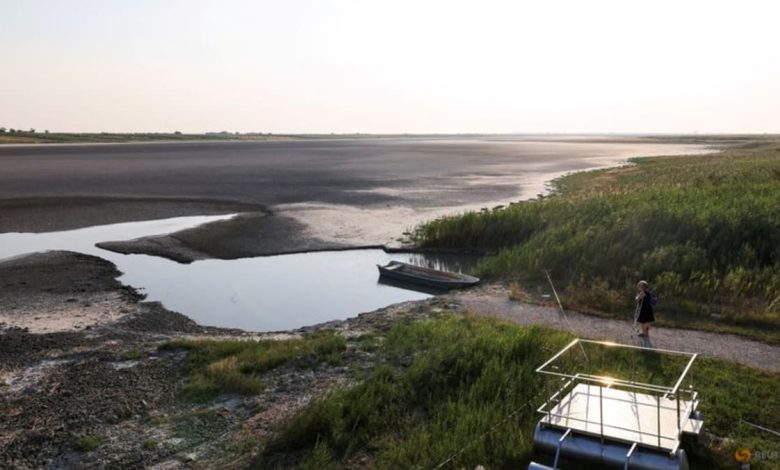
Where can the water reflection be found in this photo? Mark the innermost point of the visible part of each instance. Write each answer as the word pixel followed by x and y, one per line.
pixel 260 294
pixel 274 292
pixel 409 286
pixel 83 240
pixel 456 263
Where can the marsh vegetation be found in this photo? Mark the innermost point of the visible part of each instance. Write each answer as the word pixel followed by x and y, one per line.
pixel 465 386
pixel 704 230
pixel 235 366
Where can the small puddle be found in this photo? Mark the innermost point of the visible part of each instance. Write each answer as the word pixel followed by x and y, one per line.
pixel 267 293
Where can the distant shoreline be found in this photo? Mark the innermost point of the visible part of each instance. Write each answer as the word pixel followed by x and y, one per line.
pixel 329 192
pixel 54 138
pixel 61 138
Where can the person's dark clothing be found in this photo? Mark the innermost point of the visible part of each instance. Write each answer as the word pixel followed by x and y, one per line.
pixel 647 313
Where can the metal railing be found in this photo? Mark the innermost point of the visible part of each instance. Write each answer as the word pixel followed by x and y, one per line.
pixel 659 392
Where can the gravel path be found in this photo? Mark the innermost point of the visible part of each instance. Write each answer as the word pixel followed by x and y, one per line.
pixel 494 301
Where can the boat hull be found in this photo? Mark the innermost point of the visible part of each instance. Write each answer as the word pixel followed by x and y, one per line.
pixel 441 280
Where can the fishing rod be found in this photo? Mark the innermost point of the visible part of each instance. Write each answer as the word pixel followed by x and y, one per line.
pixel 563 312
pixel 634 327
pixel 761 428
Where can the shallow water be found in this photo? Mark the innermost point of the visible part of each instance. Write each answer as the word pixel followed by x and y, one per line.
pixel 259 294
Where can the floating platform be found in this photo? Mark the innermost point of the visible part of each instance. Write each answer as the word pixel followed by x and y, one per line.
pixel 626 416
pixel 614 422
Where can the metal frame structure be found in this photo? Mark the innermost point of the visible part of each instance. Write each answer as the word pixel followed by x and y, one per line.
pixel 672 401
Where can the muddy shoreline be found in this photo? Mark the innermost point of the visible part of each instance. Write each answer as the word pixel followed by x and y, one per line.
pixel 67 379
pixel 61 374
pixel 248 234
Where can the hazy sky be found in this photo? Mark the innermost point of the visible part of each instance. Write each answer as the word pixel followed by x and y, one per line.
pixel 391 66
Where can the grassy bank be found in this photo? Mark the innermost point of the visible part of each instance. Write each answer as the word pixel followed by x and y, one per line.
pixel 704 230
pixel 235 366
pixel 456 382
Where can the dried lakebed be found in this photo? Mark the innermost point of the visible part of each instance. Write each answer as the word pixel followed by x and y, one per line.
pixel 98 392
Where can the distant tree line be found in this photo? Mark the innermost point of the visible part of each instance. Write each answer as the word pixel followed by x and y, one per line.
pixel 11 130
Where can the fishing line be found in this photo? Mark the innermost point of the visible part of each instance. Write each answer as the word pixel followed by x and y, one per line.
pixel 563 312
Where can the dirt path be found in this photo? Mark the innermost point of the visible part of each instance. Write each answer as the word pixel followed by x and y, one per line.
pixel 494 301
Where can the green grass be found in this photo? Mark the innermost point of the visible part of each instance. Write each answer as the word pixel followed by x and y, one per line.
pixel 133 355
pixel 444 383
pixel 87 443
pixel 235 366
pixel 704 230
pixel 149 444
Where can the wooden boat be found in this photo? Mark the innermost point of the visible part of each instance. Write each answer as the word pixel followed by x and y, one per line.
pixel 406 285
pixel 425 276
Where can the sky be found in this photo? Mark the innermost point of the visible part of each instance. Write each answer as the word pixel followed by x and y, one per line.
pixel 398 66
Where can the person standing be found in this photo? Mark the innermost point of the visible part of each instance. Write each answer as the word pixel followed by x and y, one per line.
pixel 646 300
